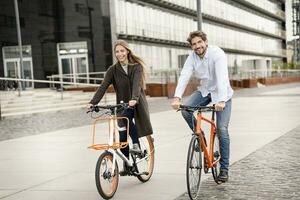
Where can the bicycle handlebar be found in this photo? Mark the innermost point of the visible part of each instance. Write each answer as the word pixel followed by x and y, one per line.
pixel 197 108
pixel 96 108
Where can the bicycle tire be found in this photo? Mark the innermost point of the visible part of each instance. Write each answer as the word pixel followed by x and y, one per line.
pixel 194 167
pixel 147 147
pixel 216 155
pixel 106 160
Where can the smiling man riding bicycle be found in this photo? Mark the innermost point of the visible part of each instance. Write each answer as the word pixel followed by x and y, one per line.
pixel 209 64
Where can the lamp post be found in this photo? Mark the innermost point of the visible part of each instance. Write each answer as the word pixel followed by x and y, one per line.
pixel 296 29
pixel 199 15
pixel 19 44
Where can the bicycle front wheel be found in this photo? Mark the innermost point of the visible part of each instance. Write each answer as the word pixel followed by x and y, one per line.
pixel 216 157
pixel 106 179
pixel 145 163
pixel 194 167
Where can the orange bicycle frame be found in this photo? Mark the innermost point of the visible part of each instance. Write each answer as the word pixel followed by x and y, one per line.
pixel 208 155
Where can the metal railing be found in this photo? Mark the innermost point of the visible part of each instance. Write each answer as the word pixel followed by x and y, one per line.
pixel 155 76
pixel 77 78
pixel 171 76
pixel 254 74
pixel 17 81
pixel 163 76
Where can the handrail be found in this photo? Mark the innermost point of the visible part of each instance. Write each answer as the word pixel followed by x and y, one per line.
pixel 77 76
pixel 43 81
pixel 50 82
pixel 262 73
pixel 90 73
pixel 82 78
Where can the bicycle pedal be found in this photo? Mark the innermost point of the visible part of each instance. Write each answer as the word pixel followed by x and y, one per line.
pixel 142 173
pixel 138 154
pixel 216 154
pixel 152 138
pixel 123 174
pixel 205 170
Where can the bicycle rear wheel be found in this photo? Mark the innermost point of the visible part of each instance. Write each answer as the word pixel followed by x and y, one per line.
pixel 145 163
pixel 216 156
pixel 106 180
pixel 194 167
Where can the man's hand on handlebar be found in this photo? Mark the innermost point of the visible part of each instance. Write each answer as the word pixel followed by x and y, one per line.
pixel 220 106
pixel 176 103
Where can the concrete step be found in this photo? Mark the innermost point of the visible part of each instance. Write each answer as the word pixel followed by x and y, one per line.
pixel 45 100
pixel 14 97
pixel 53 100
pixel 49 103
pixel 24 113
pixel 42 106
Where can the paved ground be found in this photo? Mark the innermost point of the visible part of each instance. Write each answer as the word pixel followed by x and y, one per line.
pixel 57 165
pixel 272 172
pixel 52 121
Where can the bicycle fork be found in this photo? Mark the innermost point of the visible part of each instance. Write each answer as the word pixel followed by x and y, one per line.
pixel 200 134
pixel 112 129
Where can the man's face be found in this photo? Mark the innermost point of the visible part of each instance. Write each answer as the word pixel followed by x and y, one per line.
pixel 199 46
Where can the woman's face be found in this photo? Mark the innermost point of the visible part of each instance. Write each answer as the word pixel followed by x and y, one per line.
pixel 121 54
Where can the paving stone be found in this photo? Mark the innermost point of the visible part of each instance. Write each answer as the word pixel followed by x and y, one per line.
pixel 271 172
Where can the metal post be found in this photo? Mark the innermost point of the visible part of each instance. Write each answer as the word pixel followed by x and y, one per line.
pixel 91 35
pixel 199 15
pixel 61 88
pixel 19 44
pixel 0 110
pixel 295 53
pixel 298 41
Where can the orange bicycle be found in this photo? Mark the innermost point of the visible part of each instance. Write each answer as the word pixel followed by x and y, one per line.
pixel 107 172
pixel 198 145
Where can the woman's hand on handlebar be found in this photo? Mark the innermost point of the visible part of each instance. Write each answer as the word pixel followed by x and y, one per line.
pixel 132 103
pixel 89 107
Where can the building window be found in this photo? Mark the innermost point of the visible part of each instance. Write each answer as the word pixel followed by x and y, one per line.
pixel 46 8
pixel 82 9
pixel 8 21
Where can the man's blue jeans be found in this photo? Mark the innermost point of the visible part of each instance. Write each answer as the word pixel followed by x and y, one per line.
pixel 223 117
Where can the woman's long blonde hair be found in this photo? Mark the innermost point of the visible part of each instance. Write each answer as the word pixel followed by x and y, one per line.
pixel 133 59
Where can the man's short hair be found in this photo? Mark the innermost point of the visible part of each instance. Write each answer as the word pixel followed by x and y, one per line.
pixel 193 34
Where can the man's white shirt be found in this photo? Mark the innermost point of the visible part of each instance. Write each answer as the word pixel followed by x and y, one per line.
pixel 212 71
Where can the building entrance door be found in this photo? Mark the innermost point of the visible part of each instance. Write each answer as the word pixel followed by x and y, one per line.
pixel 73 62
pixel 12 64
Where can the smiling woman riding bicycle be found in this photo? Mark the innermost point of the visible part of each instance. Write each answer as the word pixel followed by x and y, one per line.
pixel 128 78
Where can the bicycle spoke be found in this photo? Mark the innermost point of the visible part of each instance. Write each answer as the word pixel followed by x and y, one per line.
pixel 216 157
pixel 106 179
pixel 145 161
pixel 194 168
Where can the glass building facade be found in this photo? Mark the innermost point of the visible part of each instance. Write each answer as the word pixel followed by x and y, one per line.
pixel 252 33
pixel 64 36
pixel 76 36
